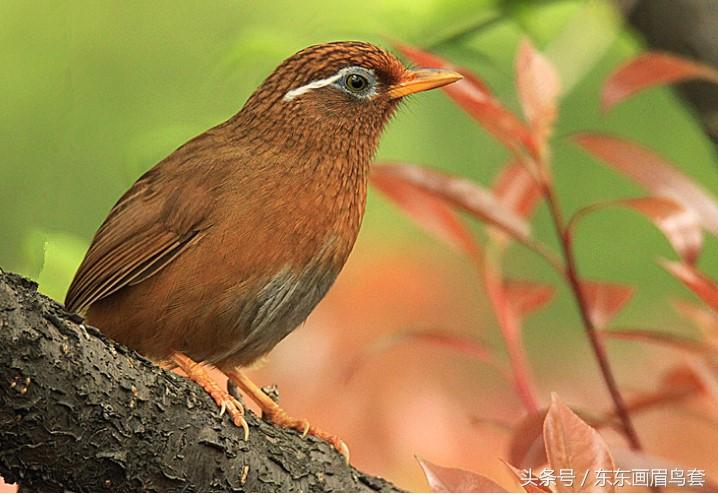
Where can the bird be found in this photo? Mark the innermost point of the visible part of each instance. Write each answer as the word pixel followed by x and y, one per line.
pixel 224 247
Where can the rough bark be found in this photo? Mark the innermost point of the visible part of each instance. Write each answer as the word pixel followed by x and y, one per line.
pixel 688 28
pixel 79 412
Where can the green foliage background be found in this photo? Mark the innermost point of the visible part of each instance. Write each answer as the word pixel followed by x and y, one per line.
pixel 94 93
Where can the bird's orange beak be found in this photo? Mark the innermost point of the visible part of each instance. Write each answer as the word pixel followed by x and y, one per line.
pixel 415 81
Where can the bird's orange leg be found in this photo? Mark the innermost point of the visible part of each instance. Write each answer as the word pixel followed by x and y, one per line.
pixel 275 414
pixel 224 400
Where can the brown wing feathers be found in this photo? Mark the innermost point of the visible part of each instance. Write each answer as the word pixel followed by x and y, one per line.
pixel 129 263
pixel 140 237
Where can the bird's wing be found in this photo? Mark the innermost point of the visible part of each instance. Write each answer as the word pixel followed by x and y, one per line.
pixel 149 226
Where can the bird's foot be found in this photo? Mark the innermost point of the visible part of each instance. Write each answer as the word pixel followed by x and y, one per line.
pixel 272 412
pixel 279 417
pixel 221 397
pixel 231 405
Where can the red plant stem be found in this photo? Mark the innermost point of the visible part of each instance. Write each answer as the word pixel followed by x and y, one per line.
pixel 594 338
pixel 657 399
pixel 490 270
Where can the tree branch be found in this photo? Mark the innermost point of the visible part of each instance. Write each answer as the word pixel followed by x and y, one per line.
pixel 79 412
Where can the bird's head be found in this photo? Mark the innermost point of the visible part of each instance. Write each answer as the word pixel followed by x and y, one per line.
pixel 336 92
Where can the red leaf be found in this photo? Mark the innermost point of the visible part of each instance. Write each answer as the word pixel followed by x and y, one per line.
pixel 680 225
pixel 663 338
pixel 572 444
pixel 654 173
pixel 605 300
pixel 516 188
pixel 510 325
pixel 457 343
pixel 430 212
pixel 698 373
pixel 459 193
pixel 648 70
pixel 706 376
pixel 475 98
pixel 454 480
pixel 526 297
pixel 526 447
pixel 699 283
pixel 680 376
pixel 538 88
pixel 704 319
pixel 675 388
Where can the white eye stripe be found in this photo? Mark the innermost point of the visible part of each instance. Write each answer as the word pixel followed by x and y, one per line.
pixel 293 93
pixel 320 83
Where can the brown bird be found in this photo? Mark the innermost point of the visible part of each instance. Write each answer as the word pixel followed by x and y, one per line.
pixel 224 247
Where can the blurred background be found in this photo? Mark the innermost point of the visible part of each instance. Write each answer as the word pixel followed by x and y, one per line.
pixel 92 94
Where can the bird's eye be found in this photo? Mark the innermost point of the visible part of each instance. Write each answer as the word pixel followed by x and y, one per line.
pixel 356 83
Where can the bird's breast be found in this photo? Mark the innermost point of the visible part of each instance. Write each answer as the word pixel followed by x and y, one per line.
pixel 281 250
pixel 293 210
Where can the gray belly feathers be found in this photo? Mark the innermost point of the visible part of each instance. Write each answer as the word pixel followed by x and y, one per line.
pixel 280 306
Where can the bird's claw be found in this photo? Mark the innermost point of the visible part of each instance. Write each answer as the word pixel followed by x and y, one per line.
pixel 240 422
pixel 342 448
pixel 281 418
pixel 238 419
pixel 272 412
pixel 224 400
pixel 305 429
pixel 334 441
pixel 229 404
pixel 235 409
